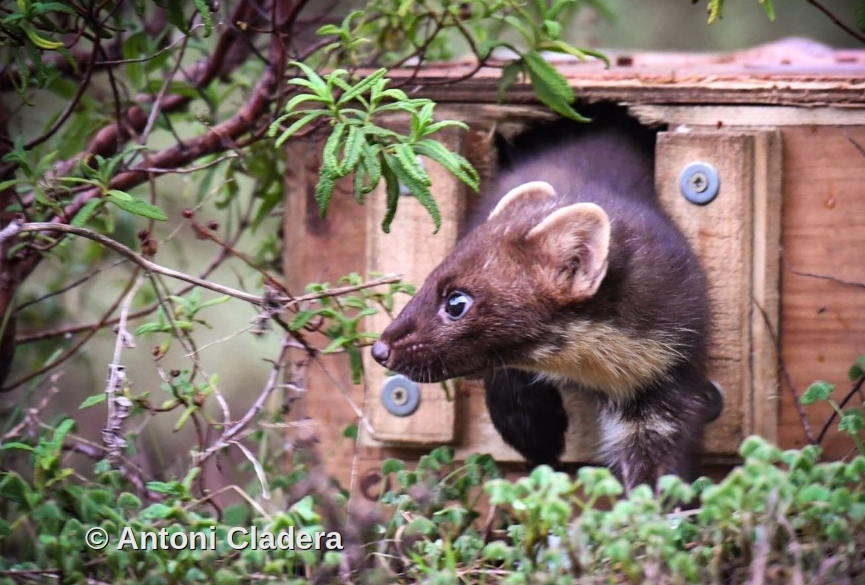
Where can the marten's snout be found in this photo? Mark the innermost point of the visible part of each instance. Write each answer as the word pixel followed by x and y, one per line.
pixel 380 352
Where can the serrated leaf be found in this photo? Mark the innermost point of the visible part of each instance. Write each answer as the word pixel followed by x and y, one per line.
pixel 206 17
pixel 137 206
pixel 324 191
pixel 392 191
pixel 551 86
pixel 363 86
pixel 409 165
pixel 93 400
pixel 352 149
pixel 420 190
pixel 456 164
pixel 372 161
pixel 86 212
pixel 313 81
pixel 355 364
pixel 329 160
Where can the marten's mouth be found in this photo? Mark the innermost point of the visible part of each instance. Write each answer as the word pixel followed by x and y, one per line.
pixel 423 370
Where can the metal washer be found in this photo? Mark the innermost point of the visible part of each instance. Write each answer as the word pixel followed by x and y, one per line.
pixel 697 195
pixel 400 396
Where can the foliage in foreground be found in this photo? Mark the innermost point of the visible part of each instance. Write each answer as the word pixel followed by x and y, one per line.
pixel 781 517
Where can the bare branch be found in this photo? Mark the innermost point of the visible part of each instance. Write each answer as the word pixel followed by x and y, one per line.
pixel 150 266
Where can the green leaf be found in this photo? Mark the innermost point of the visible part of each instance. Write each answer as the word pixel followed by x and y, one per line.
pixel 86 213
pixel 184 417
pixel 313 81
pixel 329 160
pixel 135 206
pixel 363 86
pixel 336 344
pixel 174 11
pixel 10 183
pixel 456 164
pixel 392 190
pixel 857 370
pixel 13 488
pixel 509 76
pixel 295 127
pixel 408 172
pixel 372 164
pixel 92 400
pixel 392 466
pixel 768 9
pixel 410 167
pixel 206 18
pixel 355 364
pixel 851 422
pixel 817 391
pixel 581 54
pixel 352 150
pixel 716 10
pixel 551 86
pixel 324 191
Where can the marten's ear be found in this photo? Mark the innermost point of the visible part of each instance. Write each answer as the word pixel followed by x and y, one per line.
pixel 576 239
pixel 536 190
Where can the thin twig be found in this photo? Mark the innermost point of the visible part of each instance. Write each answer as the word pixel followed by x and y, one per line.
pixel 150 266
pixel 232 433
pixel 186 170
pixel 848 29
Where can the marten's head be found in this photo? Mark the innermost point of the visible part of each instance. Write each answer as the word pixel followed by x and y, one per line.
pixel 495 299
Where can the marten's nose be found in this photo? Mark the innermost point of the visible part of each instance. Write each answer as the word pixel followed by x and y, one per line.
pixel 380 352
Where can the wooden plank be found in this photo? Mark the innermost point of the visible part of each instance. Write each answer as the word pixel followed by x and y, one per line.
pixel 412 249
pixel 664 81
pixel 766 284
pixel 754 116
pixel 724 235
pixel 823 324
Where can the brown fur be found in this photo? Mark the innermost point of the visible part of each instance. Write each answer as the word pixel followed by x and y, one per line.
pixel 576 282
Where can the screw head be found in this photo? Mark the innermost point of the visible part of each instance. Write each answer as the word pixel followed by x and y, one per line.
pixel 699 183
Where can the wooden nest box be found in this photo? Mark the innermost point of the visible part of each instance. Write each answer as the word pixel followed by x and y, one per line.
pixel 780 128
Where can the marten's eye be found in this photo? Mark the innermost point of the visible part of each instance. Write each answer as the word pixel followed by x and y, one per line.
pixel 457 304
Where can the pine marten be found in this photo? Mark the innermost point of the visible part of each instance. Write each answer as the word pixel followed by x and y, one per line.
pixel 571 279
